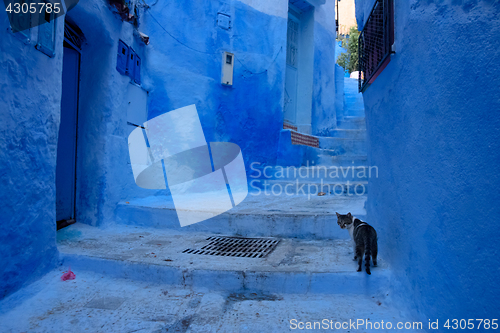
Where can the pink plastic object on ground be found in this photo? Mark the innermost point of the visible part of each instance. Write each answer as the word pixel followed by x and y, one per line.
pixel 69 275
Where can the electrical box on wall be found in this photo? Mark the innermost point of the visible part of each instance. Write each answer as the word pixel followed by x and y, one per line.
pixel 224 21
pixel 227 68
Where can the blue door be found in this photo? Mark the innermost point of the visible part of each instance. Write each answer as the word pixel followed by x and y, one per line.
pixel 66 146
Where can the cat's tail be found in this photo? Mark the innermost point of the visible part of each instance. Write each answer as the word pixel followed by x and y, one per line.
pixel 368 252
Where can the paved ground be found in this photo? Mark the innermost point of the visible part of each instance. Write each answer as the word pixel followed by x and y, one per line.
pixel 157 256
pixel 165 247
pixel 95 303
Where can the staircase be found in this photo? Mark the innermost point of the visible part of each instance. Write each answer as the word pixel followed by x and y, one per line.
pixel 349 139
pixel 343 153
pixel 315 177
pixel 353 100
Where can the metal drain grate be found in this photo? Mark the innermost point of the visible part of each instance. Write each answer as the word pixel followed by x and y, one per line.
pixel 237 247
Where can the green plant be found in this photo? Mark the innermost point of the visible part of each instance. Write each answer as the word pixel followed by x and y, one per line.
pixel 349 59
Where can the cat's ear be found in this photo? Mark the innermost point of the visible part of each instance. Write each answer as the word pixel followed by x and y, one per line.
pixel 337 214
pixel 349 214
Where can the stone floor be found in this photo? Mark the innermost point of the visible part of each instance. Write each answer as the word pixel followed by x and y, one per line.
pixel 156 256
pixel 164 248
pixel 97 303
pixel 134 277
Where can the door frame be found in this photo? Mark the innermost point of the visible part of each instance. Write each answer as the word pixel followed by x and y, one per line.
pixel 305 68
pixel 72 40
pixel 286 104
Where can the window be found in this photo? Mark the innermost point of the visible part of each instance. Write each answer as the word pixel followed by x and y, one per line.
pixel 73 35
pixel 47 34
pixel 121 61
pixel 136 74
pixel 128 62
pixel 375 43
pixel 292 44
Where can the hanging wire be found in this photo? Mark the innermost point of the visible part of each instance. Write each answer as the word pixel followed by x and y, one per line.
pixel 265 71
pixel 146 6
pixel 178 41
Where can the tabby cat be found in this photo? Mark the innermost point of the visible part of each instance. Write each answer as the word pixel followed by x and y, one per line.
pixel 364 239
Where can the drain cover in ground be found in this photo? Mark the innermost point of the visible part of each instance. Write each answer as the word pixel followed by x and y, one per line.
pixel 237 247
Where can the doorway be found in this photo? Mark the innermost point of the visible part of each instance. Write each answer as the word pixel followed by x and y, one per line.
pixel 292 50
pixel 67 139
pixel 297 106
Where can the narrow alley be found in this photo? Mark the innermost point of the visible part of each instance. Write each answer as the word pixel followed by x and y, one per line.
pixel 249 166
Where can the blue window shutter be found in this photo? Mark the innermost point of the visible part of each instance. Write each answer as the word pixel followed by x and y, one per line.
pixel 137 70
pixel 121 61
pixel 130 62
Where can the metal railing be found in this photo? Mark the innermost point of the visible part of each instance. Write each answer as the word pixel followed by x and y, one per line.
pixel 375 42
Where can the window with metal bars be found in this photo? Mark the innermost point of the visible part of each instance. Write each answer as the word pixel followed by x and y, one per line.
pixel 375 42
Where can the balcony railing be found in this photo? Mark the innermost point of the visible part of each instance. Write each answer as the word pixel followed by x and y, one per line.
pixel 375 42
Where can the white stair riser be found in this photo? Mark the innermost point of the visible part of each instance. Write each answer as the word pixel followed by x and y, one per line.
pixel 273 224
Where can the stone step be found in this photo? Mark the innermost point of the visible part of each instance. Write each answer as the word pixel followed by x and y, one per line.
pixel 350 122
pixel 350 125
pixel 354 106
pixel 352 91
pixel 351 81
pixel 354 119
pixel 95 302
pixel 351 95
pixel 263 213
pixel 331 157
pixel 355 134
pixel 341 160
pixel 344 145
pixel 158 256
pixel 355 113
pixel 302 155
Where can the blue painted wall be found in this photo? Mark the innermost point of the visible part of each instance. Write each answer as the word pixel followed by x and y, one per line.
pixel 339 92
pixel 433 131
pixel 30 86
pixel 324 117
pixel 249 113
pixel 182 66
pixel 104 175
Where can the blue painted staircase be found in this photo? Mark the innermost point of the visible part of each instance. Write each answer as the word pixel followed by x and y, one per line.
pixel 349 139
